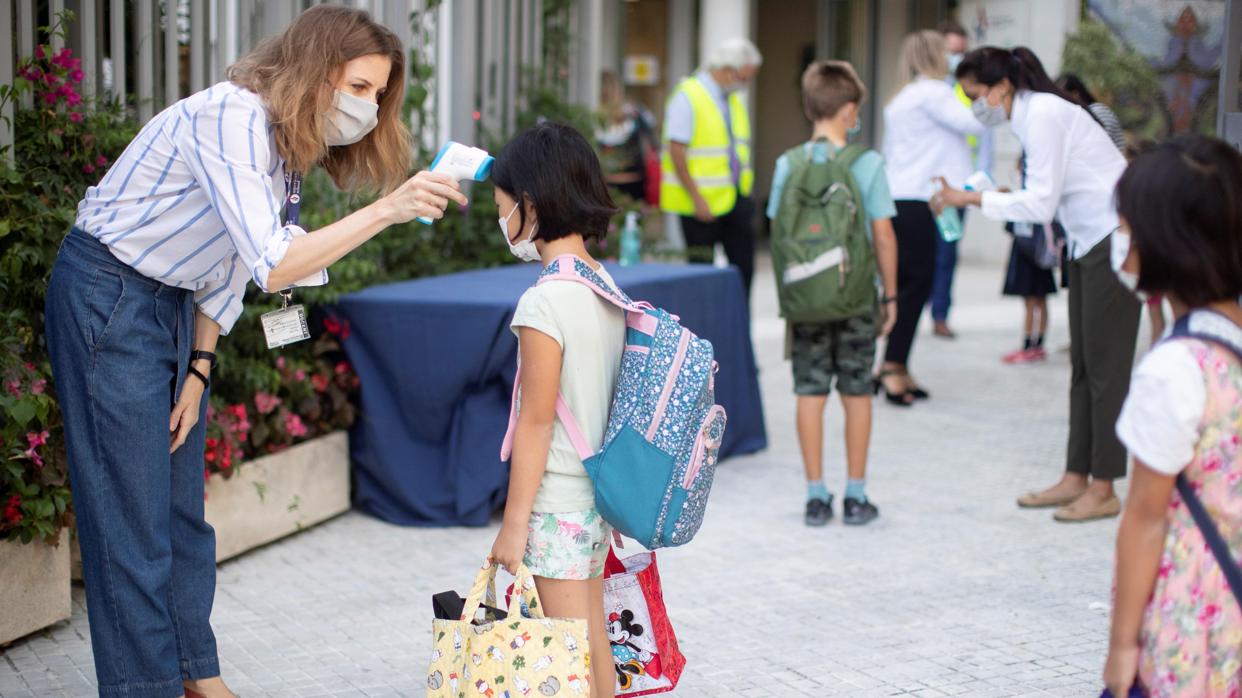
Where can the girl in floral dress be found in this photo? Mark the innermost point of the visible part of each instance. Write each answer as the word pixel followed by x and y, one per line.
pixel 1177 625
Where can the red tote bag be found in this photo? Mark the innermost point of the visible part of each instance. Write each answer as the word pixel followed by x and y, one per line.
pixel 652 174
pixel 644 646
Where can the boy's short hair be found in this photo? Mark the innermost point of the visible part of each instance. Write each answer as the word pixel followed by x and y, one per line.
pixel 829 85
pixel 1182 201
pixel 555 168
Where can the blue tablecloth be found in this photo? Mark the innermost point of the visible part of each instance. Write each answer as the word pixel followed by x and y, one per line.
pixel 436 360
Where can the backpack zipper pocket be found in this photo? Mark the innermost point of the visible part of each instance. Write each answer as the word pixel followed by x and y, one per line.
pixel 701 444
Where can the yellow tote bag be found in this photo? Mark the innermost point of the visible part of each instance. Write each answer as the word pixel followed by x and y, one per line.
pixel 522 655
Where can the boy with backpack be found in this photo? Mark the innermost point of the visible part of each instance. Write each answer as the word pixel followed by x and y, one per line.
pixel 832 230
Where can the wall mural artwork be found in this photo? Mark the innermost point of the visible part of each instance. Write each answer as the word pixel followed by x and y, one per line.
pixel 1180 41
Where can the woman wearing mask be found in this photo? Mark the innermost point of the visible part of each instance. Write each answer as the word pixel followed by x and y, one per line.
pixel 925 129
pixel 1072 168
pixel 155 269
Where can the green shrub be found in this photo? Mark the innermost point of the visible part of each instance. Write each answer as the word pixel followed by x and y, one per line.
pixel 62 143
pixel 1119 77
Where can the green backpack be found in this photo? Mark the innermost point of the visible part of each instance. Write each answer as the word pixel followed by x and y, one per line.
pixel 821 250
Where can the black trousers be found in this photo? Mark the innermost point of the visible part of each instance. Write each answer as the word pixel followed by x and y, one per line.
pixel 1104 322
pixel 916 271
pixel 735 230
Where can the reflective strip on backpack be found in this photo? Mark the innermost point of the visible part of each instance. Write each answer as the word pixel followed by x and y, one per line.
pixel 801 272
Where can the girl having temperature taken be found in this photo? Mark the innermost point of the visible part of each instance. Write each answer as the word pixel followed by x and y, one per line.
pixel 552 198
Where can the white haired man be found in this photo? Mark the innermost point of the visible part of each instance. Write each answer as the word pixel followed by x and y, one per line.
pixel 706 170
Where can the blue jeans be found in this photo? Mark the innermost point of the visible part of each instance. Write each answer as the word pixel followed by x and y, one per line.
pixel 942 285
pixel 120 344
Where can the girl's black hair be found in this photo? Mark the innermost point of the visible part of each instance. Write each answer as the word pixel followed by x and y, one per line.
pixel 553 167
pixel 989 65
pixel 1182 201
pixel 1077 89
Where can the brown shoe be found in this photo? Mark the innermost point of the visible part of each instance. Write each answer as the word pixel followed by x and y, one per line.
pixel 942 330
pixel 1080 511
pixel 1046 500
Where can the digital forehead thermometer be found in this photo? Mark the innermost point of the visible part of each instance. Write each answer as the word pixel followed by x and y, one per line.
pixel 461 162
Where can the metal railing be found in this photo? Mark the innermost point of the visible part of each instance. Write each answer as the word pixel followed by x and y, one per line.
pixel 147 54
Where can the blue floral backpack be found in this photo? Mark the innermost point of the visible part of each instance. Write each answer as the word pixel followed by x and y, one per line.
pixel 654 471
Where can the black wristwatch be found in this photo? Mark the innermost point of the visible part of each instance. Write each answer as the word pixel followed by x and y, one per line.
pixel 200 355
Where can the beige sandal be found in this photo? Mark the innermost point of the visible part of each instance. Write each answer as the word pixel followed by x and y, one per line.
pixel 1043 500
pixel 1080 513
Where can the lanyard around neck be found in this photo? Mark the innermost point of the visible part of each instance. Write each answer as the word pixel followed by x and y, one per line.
pixel 293 197
pixel 293 206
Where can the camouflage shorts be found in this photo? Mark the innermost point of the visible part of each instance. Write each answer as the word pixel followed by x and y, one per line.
pixel 842 348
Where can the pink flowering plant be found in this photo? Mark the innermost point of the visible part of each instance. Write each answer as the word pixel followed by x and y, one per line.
pixel 267 403
pixel 34 487
pixel 63 142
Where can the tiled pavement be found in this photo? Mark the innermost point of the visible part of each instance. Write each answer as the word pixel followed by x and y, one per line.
pixel 953 591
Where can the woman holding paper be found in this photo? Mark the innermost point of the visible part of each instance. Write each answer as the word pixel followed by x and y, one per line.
pixel 155 269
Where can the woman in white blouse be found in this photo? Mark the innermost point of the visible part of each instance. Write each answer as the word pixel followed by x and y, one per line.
pixel 1072 168
pixel 925 130
pixel 155 269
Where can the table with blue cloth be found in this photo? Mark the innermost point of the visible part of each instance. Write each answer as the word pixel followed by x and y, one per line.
pixel 437 360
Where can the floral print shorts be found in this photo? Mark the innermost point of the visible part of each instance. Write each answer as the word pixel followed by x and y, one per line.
pixel 567 546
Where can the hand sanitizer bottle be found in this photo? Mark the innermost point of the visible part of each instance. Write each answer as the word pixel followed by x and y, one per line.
pixel 631 240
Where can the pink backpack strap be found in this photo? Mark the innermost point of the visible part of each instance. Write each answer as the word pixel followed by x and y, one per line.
pixel 566 270
pixel 506 446
pixel 563 413
pixel 572 430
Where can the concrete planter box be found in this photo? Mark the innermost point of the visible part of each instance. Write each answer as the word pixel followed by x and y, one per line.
pixel 275 496
pixel 34 579
pixel 278 495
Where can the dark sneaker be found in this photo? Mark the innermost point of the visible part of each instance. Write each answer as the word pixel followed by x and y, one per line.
pixel 818 511
pixel 856 512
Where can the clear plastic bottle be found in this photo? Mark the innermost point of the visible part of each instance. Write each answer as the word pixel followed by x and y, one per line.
pixel 631 240
pixel 950 221
pixel 950 224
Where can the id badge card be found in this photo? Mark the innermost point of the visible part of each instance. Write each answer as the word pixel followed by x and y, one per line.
pixel 285 326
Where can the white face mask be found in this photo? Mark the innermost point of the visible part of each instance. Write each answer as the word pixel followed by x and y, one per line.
pixel 954 60
pixel 1117 257
pixel 989 115
pixel 351 118
pixel 524 250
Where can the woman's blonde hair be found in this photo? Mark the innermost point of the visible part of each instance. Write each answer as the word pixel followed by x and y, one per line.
pixel 296 72
pixel 922 54
pixel 611 98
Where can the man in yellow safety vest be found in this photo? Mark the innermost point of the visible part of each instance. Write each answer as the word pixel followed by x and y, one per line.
pixel 706 167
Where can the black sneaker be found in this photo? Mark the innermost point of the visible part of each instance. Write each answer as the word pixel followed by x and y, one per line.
pixel 818 511
pixel 856 512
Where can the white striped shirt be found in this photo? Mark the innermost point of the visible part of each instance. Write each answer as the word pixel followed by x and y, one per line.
pixel 195 199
